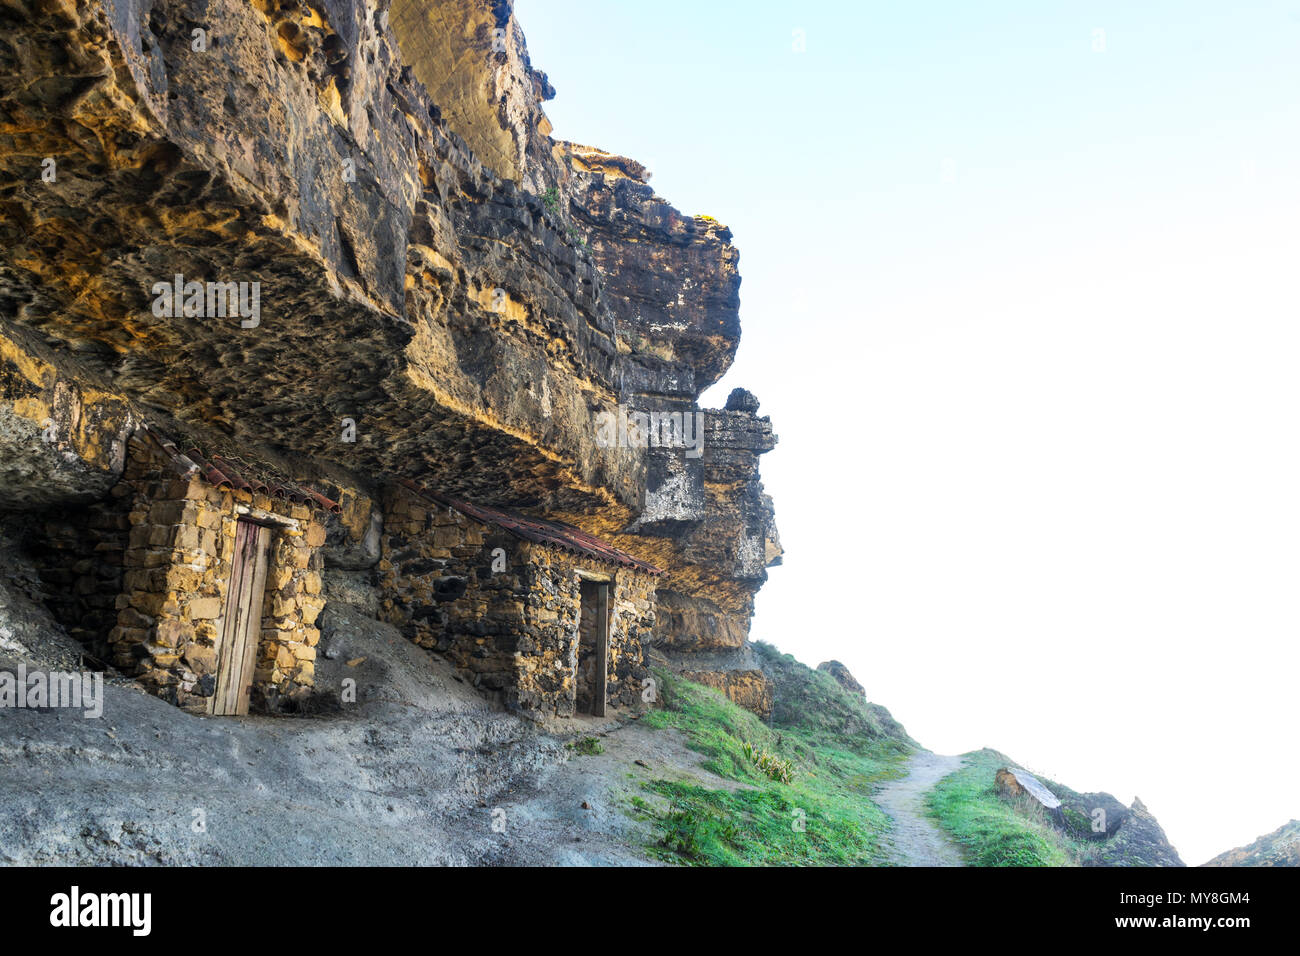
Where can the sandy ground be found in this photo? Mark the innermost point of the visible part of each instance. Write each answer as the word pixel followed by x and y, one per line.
pixel 915 839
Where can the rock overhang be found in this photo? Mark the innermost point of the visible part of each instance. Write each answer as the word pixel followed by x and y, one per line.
pixel 464 322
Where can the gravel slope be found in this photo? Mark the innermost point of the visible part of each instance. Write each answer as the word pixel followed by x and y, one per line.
pixel 411 774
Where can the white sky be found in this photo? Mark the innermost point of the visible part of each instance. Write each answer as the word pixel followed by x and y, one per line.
pixel 1039 472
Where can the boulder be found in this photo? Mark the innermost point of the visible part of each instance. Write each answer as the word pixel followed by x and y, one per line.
pixel 1014 784
pixel 843 677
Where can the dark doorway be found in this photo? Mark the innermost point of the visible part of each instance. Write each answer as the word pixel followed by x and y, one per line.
pixel 593 648
pixel 241 619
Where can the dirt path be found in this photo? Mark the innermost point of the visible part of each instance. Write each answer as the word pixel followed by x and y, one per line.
pixel 916 840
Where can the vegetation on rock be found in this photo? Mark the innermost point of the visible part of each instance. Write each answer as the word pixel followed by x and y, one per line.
pixel 815 704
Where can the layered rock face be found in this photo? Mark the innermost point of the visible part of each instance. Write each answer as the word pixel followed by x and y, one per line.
pixel 336 237
pixel 1279 848
pixel 1124 836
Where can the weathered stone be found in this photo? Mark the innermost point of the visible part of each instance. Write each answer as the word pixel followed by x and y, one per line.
pixel 205 609
pixel 202 659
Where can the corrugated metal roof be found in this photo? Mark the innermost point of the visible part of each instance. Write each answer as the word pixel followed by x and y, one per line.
pixel 538 530
pixel 234 474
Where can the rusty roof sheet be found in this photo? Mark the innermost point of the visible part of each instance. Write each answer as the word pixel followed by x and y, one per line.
pixel 233 474
pixel 554 534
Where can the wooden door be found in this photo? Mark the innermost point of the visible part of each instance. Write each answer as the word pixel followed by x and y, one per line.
pixel 591 678
pixel 600 685
pixel 241 619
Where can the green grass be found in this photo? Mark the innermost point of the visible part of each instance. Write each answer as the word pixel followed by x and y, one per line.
pixel 587 746
pixel 814 705
pixel 823 816
pixel 806 782
pixel 994 831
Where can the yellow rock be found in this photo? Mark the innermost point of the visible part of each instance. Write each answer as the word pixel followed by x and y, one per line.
pixel 205 609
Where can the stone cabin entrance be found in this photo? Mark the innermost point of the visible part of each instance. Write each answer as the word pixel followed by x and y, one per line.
pixel 592 666
pixel 221 585
pixel 551 618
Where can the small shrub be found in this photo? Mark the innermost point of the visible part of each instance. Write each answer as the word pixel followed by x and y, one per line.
pixel 768 762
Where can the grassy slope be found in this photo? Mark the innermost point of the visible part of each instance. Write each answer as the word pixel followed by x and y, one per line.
pixel 838 746
pixel 993 831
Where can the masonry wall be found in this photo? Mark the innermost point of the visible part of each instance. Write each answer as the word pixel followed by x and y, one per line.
pixel 78 550
pixel 437 586
pixel 176 574
pixel 545 683
pixel 631 633
pixel 555 599
pixel 515 629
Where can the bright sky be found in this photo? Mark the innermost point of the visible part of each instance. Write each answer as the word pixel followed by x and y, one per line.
pixel 1020 297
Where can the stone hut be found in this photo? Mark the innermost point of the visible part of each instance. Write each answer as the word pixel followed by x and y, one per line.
pixel 221 582
pixel 553 618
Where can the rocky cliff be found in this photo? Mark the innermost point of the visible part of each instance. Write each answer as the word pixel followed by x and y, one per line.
pixel 432 287
pixel 1124 836
pixel 335 241
pixel 1279 848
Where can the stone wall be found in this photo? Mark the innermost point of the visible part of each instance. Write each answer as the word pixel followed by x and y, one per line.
pixel 514 629
pixel 177 567
pixel 546 667
pixel 549 654
pixel 79 552
pixel 437 586
pixel 62 436
pixel 630 635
